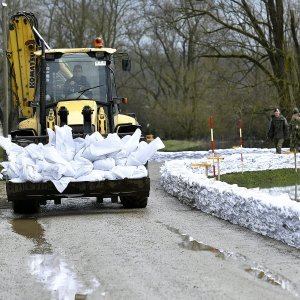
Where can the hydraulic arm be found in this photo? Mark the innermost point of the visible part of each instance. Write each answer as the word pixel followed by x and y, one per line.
pixel 22 43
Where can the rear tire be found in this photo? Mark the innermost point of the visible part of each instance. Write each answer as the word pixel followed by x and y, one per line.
pixel 28 206
pixel 134 201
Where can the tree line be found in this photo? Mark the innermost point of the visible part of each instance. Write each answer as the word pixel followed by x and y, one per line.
pixel 191 59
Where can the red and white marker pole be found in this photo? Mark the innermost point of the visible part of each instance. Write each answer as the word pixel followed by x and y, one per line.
pixel 241 143
pixel 212 144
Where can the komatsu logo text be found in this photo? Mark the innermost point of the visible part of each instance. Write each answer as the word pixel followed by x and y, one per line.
pixel 32 70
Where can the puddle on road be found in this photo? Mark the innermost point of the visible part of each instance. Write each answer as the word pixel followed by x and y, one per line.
pixel 262 274
pixel 49 268
pixel 190 244
pixel 32 229
pixel 253 268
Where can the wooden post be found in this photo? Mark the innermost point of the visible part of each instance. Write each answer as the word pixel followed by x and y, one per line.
pixel 218 158
pixel 295 158
pixel 212 144
pixel 241 144
pixel 206 165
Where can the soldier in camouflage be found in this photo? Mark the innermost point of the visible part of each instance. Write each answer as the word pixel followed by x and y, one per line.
pixel 294 128
pixel 278 130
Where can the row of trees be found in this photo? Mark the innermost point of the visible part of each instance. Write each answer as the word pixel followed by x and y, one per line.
pixel 191 59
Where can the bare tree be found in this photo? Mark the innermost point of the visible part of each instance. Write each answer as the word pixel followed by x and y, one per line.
pixel 258 32
pixel 168 68
pixel 109 19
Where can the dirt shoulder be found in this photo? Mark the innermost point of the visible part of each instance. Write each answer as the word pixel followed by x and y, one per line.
pixel 3 197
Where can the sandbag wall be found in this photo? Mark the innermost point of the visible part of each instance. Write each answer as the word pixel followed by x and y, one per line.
pixel 275 216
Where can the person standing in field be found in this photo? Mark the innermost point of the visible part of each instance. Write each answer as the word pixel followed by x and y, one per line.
pixel 278 130
pixel 294 129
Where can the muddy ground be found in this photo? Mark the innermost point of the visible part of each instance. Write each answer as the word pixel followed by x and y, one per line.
pixel 85 250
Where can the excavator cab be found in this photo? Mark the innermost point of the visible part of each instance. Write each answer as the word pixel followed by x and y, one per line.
pixel 73 76
pixel 79 87
pixel 56 87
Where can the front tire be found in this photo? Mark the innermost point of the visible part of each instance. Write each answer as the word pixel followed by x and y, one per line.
pixel 134 201
pixel 28 206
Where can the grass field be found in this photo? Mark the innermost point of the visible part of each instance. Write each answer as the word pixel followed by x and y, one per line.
pixel 1 157
pixel 1 154
pixel 182 145
pixel 263 179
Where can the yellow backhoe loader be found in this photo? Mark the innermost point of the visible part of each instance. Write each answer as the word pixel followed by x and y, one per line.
pixel 46 91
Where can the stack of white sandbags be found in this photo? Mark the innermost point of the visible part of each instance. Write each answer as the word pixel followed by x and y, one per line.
pixel 276 216
pixel 64 159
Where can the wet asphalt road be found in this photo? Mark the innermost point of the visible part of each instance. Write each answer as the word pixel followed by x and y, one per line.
pixel 85 250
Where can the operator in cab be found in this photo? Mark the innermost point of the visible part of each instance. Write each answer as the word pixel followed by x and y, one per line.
pixel 77 83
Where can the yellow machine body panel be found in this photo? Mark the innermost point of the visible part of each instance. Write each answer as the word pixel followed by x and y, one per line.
pixel 30 123
pixel 123 119
pixel 21 48
pixel 75 108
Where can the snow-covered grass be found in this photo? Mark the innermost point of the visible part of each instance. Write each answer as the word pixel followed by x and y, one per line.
pixel 276 216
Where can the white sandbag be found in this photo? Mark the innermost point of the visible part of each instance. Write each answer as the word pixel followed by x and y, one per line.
pixel 134 160
pixel 64 142
pixel 121 161
pixel 53 156
pixel 95 175
pixel 57 170
pixel 21 161
pixel 62 184
pixel 28 171
pixel 35 151
pixel 140 172
pixel 109 175
pixel 95 137
pixel 9 147
pixel 120 157
pixel 51 135
pixel 79 144
pixel 17 180
pixel 125 138
pixel 5 143
pixel 122 172
pixel 81 167
pixel 78 154
pixel 11 169
pixel 50 171
pixel 142 145
pixel 69 171
pixel 105 164
pixel 131 143
pixel 111 144
pixel 98 150
pixel 85 151
pixel 144 153
pixel 87 154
